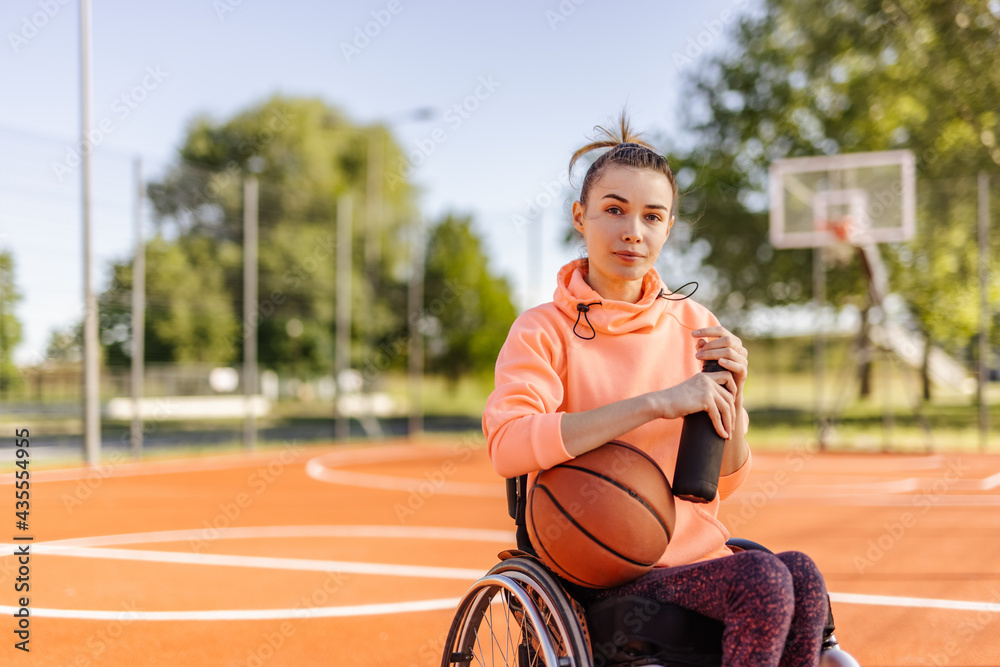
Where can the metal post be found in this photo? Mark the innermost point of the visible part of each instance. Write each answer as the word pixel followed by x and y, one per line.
pixel 250 199
pixel 91 352
pixel 373 230
pixel 138 311
pixel 819 344
pixel 342 362
pixel 373 238
pixel 984 309
pixel 888 419
pixel 415 344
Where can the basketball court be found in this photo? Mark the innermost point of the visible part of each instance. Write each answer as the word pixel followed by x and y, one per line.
pixel 357 555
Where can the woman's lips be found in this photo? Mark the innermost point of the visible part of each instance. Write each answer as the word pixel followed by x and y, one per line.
pixel 628 256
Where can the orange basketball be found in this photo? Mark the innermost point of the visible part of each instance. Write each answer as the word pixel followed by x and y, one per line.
pixel 603 518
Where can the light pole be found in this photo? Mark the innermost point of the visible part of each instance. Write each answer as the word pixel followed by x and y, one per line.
pixel 375 177
pixel 250 203
pixel 91 379
pixel 415 340
pixel 374 207
pixel 342 358
pixel 138 312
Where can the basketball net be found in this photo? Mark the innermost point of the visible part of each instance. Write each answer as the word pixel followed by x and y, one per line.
pixel 842 251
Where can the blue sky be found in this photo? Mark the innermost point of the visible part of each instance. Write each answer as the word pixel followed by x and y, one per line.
pixel 555 69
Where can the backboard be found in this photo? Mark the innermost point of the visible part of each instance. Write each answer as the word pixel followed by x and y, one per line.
pixel 855 198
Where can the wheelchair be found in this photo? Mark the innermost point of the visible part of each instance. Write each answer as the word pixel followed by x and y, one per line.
pixel 521 614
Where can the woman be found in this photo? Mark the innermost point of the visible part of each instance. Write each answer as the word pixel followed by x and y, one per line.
pixel 614 356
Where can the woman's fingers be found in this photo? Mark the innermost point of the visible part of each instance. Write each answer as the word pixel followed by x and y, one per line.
pixel 724 379
pixel 730 399
pixel 718 421
pixel 720 348
pixel 722 409
pixel 737 369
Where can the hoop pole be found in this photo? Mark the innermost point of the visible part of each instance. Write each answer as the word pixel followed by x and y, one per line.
pixel 819 344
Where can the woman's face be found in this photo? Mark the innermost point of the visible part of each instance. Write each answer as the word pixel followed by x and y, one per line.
pixel 624 224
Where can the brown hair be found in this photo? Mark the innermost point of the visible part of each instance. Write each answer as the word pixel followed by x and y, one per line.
pixel 627 150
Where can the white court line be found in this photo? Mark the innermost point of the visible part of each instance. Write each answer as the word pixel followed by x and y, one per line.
pixel 985 484
pixel 425 605
pixel 323 472
pixel 852 500
pixel 253 532
pixel 907 485
pixel 921 603
pixel 349 611
pixel 263 562
pixel 768 463
pixel 137 468
pixel 77 548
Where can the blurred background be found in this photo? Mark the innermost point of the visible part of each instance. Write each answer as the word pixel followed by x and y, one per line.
pixel 403 169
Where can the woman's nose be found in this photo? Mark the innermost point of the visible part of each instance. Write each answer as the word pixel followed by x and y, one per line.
pixel 632 232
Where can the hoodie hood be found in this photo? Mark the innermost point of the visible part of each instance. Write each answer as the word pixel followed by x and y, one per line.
pixel 606 316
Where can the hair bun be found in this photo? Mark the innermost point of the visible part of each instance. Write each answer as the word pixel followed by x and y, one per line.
pixel 628 149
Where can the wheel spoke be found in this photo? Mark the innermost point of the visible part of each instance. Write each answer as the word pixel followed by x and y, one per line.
pixel 509 614
pixel 479 645
pixel 487 618
pixel 538 620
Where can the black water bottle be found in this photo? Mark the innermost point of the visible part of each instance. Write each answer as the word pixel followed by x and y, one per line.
pixel 699 454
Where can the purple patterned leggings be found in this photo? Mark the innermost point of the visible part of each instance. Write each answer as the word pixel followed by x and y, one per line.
pixel 774 606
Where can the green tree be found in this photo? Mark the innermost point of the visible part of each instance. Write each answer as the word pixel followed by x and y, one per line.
pixel 66 344
pixel 306 155
pixel 817 77
pixel 10 325
pixel 470 310
pixel 188 313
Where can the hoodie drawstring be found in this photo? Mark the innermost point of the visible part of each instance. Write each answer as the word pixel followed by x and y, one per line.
pixel 668 295
pixel 582 309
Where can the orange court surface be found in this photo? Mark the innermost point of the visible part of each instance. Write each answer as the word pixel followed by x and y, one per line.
pixel 357 554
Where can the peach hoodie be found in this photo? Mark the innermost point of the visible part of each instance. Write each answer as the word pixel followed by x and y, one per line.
pixel 545 370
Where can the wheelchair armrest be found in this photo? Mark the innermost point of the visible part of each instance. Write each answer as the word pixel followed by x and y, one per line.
pixel 740 544
pixel 517 501
pixel 512 497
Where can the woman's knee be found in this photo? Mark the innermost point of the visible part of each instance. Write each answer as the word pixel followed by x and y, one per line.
pixel 803 569
pixel 767 579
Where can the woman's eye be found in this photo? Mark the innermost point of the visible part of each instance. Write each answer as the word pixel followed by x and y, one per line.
pixel 614 210
pixel 652 217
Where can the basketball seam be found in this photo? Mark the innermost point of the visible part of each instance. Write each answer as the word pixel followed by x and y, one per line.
pixel 586 532
pixel 624 488
pixel 531 529
pixel 625 445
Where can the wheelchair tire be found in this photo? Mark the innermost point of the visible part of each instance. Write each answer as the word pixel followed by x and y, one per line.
pixel 517 616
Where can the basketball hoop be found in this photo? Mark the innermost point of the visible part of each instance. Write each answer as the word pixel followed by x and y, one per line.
pixel 841 251
pixel 839 227
pixel 811 196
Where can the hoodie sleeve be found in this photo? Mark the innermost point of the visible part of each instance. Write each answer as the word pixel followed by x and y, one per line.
pixel 522 418
pixel 729 483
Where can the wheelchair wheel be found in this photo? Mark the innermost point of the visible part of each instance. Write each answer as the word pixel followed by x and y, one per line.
pixel 518 616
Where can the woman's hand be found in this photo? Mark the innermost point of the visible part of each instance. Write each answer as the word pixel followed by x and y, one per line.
pixel 720 394
pixel 732 356
pixel 728 350
pixel 714 393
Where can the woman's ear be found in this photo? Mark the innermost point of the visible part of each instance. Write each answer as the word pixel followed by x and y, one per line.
pixel 578 216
